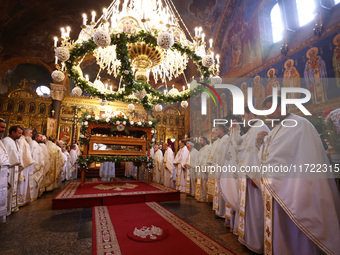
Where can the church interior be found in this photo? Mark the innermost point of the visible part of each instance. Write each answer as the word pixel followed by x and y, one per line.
pixel 120 84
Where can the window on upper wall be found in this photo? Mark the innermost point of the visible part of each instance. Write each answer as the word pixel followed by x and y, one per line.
pixel 277 25
pixel 336 1
pixel 305 10
pixel 43 91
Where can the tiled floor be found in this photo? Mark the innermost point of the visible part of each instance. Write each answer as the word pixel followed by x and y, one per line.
pixel 37 229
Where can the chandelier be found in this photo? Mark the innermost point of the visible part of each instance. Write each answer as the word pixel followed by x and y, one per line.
pixel 135 40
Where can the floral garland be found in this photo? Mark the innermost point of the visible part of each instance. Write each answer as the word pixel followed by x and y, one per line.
pixel 84 161
pixel 121 40
pixel 119 121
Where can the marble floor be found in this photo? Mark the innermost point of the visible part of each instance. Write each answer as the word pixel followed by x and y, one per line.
pixel 37 229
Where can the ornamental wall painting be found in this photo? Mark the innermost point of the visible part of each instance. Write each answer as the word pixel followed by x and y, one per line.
pixel 31 107
pixel 42 109
pixel 315 68
pixel 21 107
pixel 65 133
pixel 10 106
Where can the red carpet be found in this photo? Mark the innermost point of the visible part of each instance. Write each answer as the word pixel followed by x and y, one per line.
pixel 113 232
pixel 90 194
pixel 116 179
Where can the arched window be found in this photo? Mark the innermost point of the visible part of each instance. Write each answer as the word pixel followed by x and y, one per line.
pixel 305 10
pixel 277 25
pixel 43 91
pixel 336 1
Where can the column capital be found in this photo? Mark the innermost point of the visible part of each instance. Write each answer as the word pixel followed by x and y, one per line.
pixel 57 91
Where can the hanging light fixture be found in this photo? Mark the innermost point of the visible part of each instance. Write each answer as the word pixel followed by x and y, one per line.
pixel 137 40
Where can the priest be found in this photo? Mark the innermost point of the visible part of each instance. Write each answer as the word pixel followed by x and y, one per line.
pixel 74 156
pixel 179 162
pixel 202 176
pixel 24 195
pixel 301 205
pixel 190 164
pixel 168 166
pixel 158 176
pixel 14 155
pixel 4 168
pixel 211 175
pixel 56 164
pixel 250 203
pixel 38 157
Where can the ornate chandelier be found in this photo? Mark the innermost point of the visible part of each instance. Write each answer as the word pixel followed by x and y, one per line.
pixel 135 39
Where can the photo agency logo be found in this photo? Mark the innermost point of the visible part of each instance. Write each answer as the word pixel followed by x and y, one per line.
pixel 240 98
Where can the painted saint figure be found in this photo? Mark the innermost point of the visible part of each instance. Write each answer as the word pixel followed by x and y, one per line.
pixel 336 58
pixel 291 78
pixel 315 76
pixel 272 82
pixel 258 92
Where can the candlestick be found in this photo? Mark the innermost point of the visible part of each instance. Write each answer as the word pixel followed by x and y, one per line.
pixel 84 19
pixel 93 16
pixel 55 41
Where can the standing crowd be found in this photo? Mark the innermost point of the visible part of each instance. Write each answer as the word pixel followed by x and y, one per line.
pixel 271 213
pixel 30 165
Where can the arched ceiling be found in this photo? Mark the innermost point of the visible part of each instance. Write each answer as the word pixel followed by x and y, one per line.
pixel 27 28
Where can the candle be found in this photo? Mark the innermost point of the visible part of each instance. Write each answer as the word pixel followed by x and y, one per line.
pixel 62 32
pixel 84 19
pixel 203 36
pixel 105 13
pixel 196 31
pixel 199 31
pixel 87 77
pixel 56 60
pixel 68 30
pixel 188 85
pixel 211 41
pixel 218 58
pixel 183 87
pixel 112 21
pixel 106 86
pixel 55 41
pixel 93 16
pixel 111 87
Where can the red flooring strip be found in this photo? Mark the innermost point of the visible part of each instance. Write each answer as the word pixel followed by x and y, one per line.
pixel 76 195
pixel 112 226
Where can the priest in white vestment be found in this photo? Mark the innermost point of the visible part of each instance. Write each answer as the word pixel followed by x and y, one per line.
pixel 220 160
pixel 212 175
pixel 47 164
pixel 250 202
pixel 190 164
pixel 67 163
pixel 24 195
pixel 15 161
pixel 179 162
pixel 202 175
pixel 302 208
pixel 38 157
pixel 74 157
pixel 168 165
pixel 4 169
pixel 57 162
pixel 158 165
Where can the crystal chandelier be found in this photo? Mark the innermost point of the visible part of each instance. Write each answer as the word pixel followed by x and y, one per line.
pixel 153 18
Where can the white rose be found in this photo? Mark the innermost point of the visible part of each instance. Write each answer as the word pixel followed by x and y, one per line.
pixel 150 123
pixel 107 120
pixel 152 131
pixel 81 136
pixel 124 122
pixel 131 122
pixel 139 123
pixel 126 72
pixel 86 123
pixel 88 116
pixel 96 118
pixel 117 122
pixel 153 139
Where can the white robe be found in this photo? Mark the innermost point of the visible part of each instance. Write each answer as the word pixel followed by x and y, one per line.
pixel 64 169
pixel 74 158
pixel 311 204
pixel 68 166
pixel 158 170
pixel 56 164
pixel 169 168
pixel 4 165
pixel 190 164
pixel 202 175
pixel 212 175
pixel 37 177
pixel 179 163
pixel 46 168
pixel 250 204
pixel 107 171
pixel 24 195
pixel 14 157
